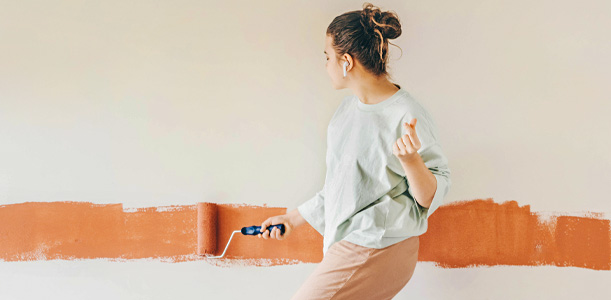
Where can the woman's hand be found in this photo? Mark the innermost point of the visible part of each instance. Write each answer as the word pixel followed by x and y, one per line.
pixel 275 233
pixel 406 147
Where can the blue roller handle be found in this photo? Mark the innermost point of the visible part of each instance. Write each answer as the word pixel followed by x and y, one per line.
pixel 254 230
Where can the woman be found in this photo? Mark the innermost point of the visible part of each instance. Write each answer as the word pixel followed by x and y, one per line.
pixel 385 174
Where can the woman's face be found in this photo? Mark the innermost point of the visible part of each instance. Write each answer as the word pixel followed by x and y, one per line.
pixel 334 67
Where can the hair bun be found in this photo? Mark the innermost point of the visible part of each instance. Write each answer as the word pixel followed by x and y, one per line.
pixel 386 23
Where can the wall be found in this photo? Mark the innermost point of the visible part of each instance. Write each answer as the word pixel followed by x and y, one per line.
pixel 170 103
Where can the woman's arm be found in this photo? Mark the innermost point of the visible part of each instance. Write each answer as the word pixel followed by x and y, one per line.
pixel 296 218
pixel 424 164
pixel 423 183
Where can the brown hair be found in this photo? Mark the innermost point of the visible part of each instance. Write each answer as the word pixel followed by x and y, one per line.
pixel 364 34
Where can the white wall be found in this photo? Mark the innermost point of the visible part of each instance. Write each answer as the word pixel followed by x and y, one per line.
pixel 174 102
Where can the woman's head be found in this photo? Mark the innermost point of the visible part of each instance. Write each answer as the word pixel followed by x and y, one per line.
pixel 360 38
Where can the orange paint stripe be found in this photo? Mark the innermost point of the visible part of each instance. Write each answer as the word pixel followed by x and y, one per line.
pixel 83 230
pixel 461 234
pixel 484 233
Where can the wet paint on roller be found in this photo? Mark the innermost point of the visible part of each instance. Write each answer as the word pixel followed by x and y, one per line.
pixel 207 217
pixel 219 220
pixel 460 234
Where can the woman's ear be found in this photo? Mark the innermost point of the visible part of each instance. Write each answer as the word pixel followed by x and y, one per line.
pixel 348 60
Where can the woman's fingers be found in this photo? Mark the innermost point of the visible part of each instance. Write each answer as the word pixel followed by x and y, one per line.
pixel 265 228
pixel 407 144
pixel 406 141
pixel 413 135
pixel 269 231
pixel 408 138
pixel 411 140
pixel 274 232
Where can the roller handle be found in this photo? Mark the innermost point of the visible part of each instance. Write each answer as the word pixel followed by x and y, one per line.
pixel 254 230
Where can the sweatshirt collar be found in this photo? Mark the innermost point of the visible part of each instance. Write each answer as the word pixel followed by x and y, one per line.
pixel 380 105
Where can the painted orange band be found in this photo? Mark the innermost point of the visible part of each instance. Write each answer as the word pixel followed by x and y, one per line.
pixel 460 234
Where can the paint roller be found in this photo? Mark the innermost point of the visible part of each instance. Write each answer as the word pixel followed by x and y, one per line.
pixel 207 216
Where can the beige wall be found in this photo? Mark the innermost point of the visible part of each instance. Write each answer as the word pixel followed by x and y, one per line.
pixel 175 102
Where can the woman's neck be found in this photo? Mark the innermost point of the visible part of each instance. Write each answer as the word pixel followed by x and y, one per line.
pixel 375 91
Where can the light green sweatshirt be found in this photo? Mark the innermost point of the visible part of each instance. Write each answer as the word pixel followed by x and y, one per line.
pixel 366 198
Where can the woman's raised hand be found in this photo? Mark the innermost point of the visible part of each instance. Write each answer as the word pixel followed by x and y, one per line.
pixel 406 147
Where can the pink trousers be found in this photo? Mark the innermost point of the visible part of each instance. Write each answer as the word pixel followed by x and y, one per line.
pixel 350 271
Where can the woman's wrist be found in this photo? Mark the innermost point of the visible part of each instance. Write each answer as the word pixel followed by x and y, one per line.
pixel 296 218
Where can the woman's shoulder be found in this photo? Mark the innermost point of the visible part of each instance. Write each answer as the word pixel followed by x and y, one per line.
pixel 345 104
pixel 341 109
pixel 347 100
pixel 409 106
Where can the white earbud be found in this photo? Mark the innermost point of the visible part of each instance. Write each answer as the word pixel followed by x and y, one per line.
pixel 345 66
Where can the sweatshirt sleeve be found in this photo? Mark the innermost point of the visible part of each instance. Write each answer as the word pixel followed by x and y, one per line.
pixel 313 211
pixel 433 157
